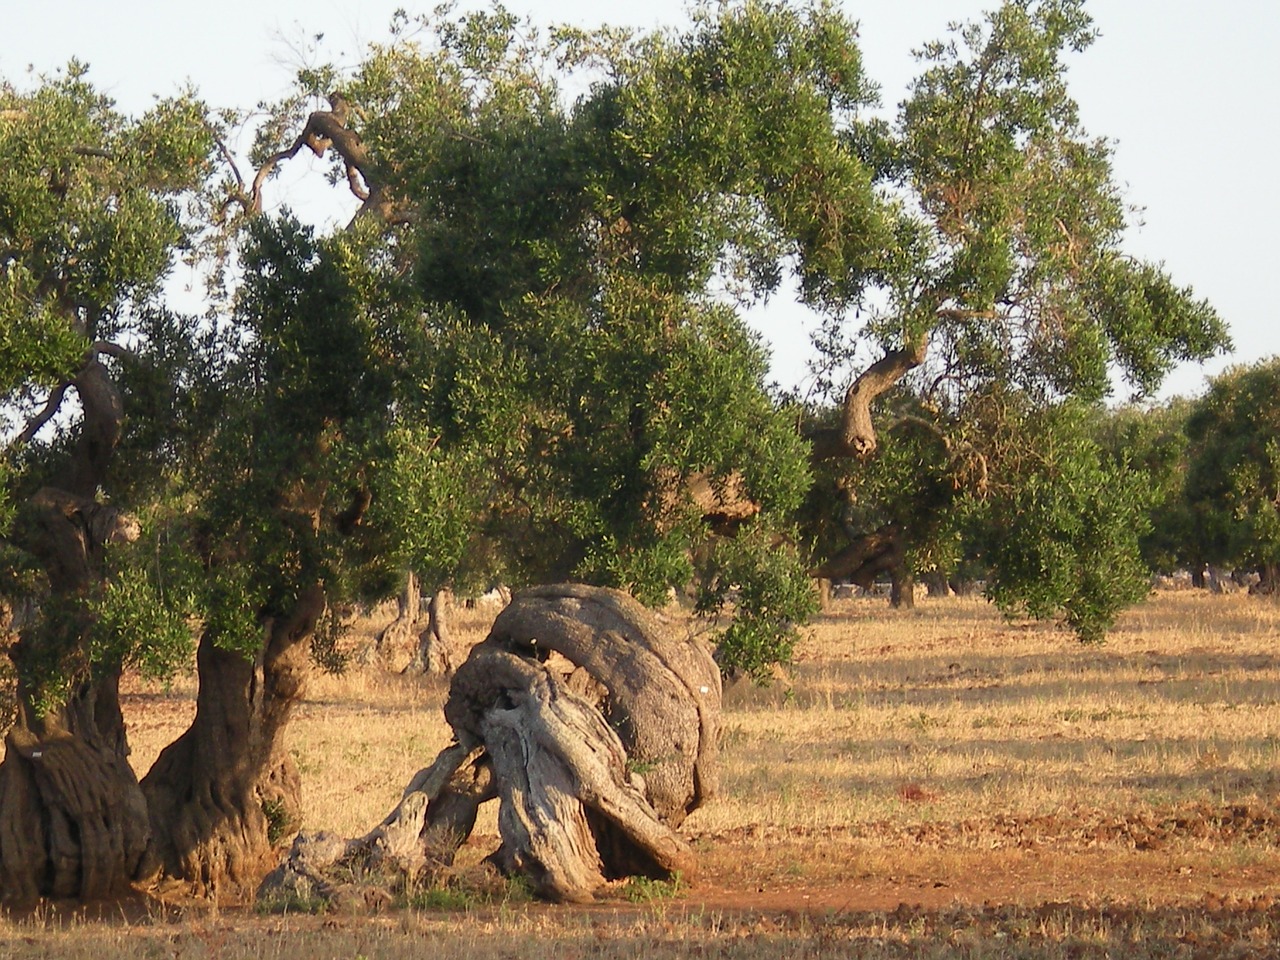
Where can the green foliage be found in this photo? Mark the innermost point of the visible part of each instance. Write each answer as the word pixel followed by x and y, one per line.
pixel 535 368
pixel 136 623
pixel 1006 263
pixel 1233 475
pixel 1022 279
pixel 770 594
pixel 1061 533
pixel 1152 442
pixel 92 214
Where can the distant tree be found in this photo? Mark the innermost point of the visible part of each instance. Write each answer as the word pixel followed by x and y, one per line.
pixel 1233 476
pixel 1150 440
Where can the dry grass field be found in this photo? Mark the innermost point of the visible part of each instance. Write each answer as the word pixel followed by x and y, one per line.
pixel 927 783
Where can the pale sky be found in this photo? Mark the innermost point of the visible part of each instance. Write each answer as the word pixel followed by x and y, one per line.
pixel 1185 90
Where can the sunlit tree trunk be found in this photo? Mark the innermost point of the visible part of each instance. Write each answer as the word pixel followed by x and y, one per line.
pixel 225 794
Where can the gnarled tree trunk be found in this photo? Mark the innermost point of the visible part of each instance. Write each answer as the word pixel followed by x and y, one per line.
pixel 73 822
pixel 661 693
pixel 223 795
pixel 593 724
pixel 402 633
pixel 435 654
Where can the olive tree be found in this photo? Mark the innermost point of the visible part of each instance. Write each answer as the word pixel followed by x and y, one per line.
pixel 1007 275
pixel 1233 469
pixel 91 215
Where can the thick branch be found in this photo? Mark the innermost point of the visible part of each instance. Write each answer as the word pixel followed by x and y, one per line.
pixel 865 558
pixel 856 435
pixel 51 407
pixel 324 129
pixel 111 350
pixel 100 431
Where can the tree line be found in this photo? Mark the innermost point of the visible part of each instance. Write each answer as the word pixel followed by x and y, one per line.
pixel 523 360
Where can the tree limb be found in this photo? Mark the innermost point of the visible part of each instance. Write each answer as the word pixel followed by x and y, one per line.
pixel 111 350
pixel 44 416
pixel 324 129
pixel 856 435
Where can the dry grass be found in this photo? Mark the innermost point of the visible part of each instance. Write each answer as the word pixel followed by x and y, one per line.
pixel 967 717
pixel 1104 801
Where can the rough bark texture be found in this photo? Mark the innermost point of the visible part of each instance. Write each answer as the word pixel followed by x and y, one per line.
pixel 435 654
pixel 661 693
pixel 572 815
pixel 73 823
pixel 224 794
pixel 594 760
pixel 411 845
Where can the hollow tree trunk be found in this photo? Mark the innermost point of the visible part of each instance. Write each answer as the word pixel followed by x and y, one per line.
pixel 659 691
pixel 225 794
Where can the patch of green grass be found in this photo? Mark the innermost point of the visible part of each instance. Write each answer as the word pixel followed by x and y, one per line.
pixel 648 890
pixel 442 898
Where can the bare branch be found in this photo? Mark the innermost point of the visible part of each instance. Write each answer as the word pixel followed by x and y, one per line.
pixel 44 416
pixel 325 130
pixel 111 350
pixel 93 152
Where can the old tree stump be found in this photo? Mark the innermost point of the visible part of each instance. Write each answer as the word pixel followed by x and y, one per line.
pixel 593 725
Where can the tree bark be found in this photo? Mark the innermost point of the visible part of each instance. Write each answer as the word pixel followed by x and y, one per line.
pixel 937 584
pixel 661 693
pixel 571 815
pixel 225 794
pixel 435 654
pixel 73 822
pixel 1268 580
pixel 868 556
pixel 856 435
